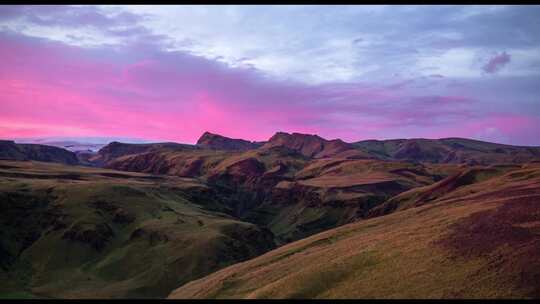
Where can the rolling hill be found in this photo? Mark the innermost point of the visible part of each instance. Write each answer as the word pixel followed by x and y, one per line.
pixel 111 234
pixel 478 240
pixel 351 219
pixel 448 150
pixel 9 150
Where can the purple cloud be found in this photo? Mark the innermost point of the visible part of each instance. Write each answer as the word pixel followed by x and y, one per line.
pixel 141 88
pixel 496 63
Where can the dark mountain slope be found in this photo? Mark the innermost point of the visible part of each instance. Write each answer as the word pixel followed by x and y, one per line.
pixel 313 146
pixel 76 232
pixel 9 150
pixel 214 141
pixel 448 150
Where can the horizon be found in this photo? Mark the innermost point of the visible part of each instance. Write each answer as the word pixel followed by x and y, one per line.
pixel 107 140
pixel 160 74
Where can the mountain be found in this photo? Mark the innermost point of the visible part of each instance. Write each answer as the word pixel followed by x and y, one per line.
pixel 285 191
pixel 116 149
pixel 313 146
pixel 73 146
pixel 477 240
pixel 299 184
pixel 329 193
pixel 79 232
pixel 9 150
pixel 140 220
pixel 218 142
pixel 448 150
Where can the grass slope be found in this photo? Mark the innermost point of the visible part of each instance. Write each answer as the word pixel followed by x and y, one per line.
pixel 76 232
pixel 481 240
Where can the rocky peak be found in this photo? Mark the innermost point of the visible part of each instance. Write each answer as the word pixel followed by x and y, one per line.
pixel 219 142
pixel 307 144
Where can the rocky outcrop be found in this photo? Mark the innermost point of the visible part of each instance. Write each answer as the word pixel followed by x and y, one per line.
pixel 308 145
pixel 214 141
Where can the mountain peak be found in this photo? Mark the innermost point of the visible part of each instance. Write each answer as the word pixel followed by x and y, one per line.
pixel 309 145
pixel 220 142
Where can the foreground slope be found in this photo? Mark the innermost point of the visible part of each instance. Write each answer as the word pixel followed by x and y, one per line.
pixel 76 232
pixel 479 240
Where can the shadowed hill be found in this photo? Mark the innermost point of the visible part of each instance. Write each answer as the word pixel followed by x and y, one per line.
pixel 9 150
pixel 298 184
pixel 76 232
pixel 163 214
pixel 282 189
pixel 313 146
pixel 480 240
pixel 448 150
pixel 214 141
pixel 116 149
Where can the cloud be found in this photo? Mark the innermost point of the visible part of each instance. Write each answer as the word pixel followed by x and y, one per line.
pixel 496 63
pixel 72 16
pixel 140 83
pixel 344 43
pixel 49 87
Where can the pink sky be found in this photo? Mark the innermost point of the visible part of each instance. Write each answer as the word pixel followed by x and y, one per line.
pixel 141 91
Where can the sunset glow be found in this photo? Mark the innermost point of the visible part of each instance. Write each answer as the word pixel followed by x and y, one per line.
pixel 341 72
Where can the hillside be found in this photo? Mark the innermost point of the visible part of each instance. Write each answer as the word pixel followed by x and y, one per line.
pixel 153 217
pixel 9 150
pixel 313 146
pixel 283 189
pixel 481 240
pixel 299 184
pixel 111 234
pixel 448 150
pixel 215 141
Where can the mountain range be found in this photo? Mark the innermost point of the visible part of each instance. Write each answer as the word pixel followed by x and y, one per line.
pixel 296 216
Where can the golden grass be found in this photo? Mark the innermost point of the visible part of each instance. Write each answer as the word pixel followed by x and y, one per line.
pixel 394 256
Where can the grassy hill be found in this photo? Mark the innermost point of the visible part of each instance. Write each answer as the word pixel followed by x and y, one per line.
pixel 111 234
pixel 479 240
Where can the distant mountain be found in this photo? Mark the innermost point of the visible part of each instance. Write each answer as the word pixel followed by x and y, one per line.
pixel 9 150
pixel 116 149
pixel 313 146
pixel 448 150
pixel 74 146
pixel 186 210
pixel 214 141
pixel 78 144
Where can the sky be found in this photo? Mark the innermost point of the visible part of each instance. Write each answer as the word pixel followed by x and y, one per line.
pixel 170 73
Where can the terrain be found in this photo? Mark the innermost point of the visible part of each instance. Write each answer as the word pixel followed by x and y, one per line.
pixel 110 234
pixel 9 150
pixel 342 219
pixel 448 150
pixel 478 240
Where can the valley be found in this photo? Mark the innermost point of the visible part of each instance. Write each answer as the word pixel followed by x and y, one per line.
pixel 297 216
